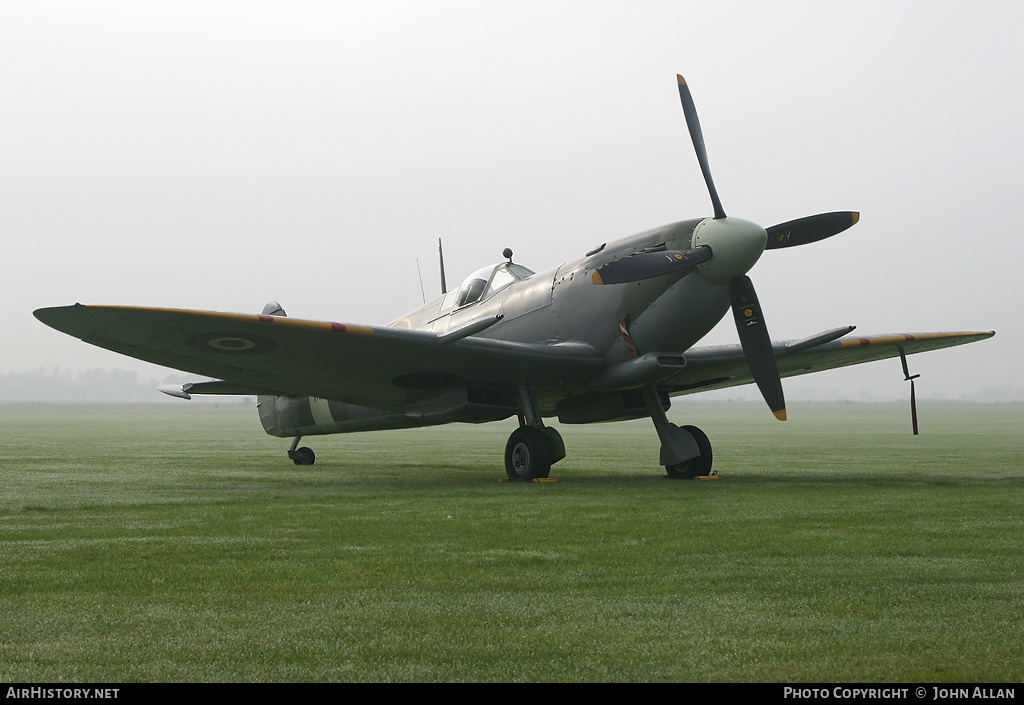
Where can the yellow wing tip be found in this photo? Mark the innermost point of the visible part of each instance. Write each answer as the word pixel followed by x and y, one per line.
pixel 911 337
pixel 780 414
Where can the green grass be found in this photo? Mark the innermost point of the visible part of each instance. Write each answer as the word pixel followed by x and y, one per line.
pixel 177 543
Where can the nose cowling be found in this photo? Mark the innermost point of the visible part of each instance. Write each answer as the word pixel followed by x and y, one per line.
pixel 735 244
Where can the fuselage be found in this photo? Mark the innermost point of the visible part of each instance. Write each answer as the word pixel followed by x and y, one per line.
pixel 668 313
pixel 663 314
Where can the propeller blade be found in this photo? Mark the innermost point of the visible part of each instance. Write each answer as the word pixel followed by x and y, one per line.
pixel 644 265
pixel 756 344
pixel 697 137
pixel 810 229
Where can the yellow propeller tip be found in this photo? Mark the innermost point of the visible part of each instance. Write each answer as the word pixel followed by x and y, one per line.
pixel 781 415
pixel 856 217
pixel 681 80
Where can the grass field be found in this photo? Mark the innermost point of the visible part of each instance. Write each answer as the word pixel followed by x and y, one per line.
pixel 178 543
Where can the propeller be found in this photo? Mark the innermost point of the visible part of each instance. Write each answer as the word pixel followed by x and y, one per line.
pixel 810 229
pixel 697 137
pixel 756 343
pixel 724 249
pixel 644 265
pixel 746 310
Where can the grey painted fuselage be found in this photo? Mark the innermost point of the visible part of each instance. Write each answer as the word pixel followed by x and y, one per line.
pixel 666 314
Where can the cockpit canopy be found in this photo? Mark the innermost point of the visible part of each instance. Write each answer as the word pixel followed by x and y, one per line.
pixel 485 281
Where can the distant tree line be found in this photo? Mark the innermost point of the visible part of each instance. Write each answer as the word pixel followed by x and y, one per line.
pixel 59 385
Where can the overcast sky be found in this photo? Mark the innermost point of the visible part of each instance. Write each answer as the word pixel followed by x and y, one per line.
pixel 217 155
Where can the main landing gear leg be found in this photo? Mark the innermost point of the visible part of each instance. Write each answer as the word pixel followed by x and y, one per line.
pixel 686 451
pixel 532 448
pixel 301 456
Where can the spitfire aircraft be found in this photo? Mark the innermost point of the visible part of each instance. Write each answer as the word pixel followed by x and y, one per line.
pixel 608 336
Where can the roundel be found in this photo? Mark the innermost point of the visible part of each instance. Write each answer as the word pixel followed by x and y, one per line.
pixel 231 343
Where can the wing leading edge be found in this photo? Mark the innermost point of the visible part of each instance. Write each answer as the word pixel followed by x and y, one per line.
pixel 723 366
pixel 380 367
pixel 391 368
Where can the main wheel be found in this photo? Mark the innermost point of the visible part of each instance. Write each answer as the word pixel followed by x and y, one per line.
pixel 695 467
pixel 526 454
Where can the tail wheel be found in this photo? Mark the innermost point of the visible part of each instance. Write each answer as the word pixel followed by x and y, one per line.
pixel 526 455
pixel 303 456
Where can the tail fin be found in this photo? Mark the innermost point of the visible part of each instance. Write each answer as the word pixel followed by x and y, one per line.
pixel 274 309
pixel 266 404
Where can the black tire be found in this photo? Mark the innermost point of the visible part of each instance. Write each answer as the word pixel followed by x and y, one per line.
pixel 526 455
pixel 695 467
pixel 303 456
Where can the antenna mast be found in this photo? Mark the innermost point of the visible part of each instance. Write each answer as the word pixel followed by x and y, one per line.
pixel 418 271
pixel 440 254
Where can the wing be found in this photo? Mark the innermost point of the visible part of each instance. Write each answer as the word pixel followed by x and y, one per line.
pixel 725 366
pixel 384 368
